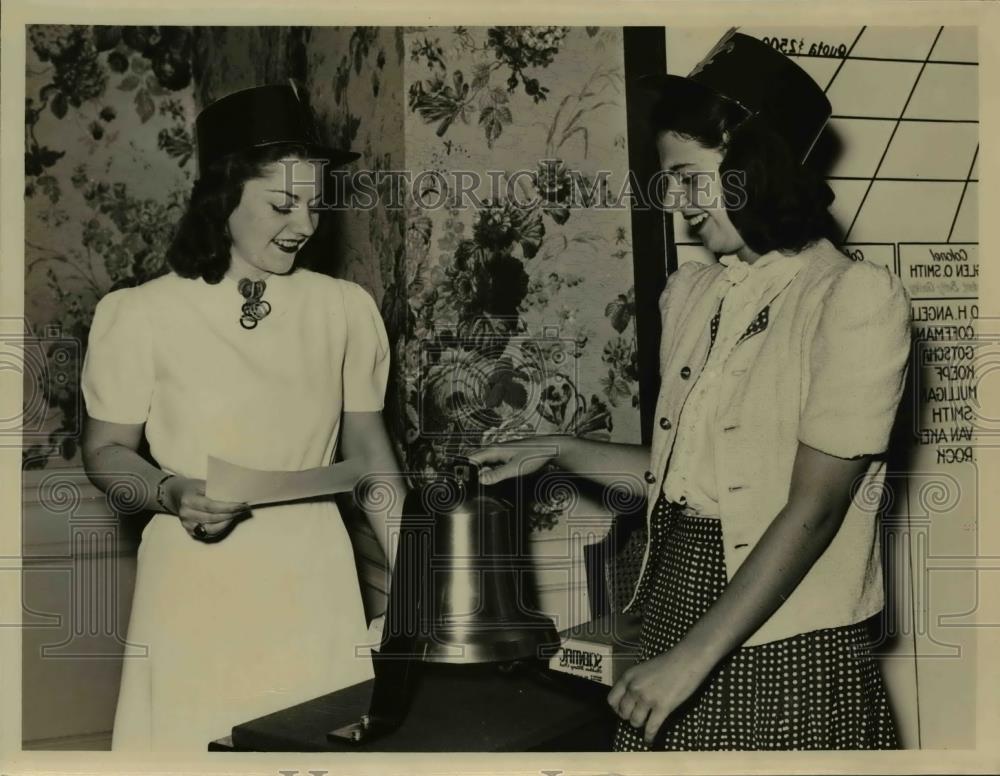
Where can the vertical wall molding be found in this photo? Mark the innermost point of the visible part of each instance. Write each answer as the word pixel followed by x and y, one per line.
pixel 653 249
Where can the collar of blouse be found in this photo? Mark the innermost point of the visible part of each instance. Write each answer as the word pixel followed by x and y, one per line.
pixel 772 270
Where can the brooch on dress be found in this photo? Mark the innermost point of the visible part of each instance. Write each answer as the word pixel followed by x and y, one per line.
pixel 254 308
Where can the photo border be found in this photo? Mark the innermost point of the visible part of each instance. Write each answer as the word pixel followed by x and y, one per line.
pixel 18 13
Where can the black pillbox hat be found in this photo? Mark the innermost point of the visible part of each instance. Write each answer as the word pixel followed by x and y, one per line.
pixel 257 117
pixel 764 83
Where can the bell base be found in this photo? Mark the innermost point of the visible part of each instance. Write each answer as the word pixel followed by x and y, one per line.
pixel 355 733
pixel 524 644
pixel 365 729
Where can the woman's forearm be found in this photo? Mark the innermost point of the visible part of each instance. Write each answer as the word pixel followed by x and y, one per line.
pixel 129 479
pixel 382 503
pixel 608 464
pixel 772 571
pixel 820 496
pixel 382 489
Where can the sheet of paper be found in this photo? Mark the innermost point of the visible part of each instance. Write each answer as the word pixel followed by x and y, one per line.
pixel 229 482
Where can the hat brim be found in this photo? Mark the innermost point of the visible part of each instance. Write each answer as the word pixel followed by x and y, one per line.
pixel 656 83
pixel 663 85
pixel 336 156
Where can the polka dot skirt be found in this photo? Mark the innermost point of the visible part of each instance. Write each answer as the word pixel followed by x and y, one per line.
pixel 817 690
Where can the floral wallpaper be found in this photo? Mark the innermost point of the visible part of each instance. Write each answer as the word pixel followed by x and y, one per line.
pixel 520 305
pixel 355 79
pixel 108 162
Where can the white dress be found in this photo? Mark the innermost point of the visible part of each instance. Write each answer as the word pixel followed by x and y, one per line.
pixel 271 615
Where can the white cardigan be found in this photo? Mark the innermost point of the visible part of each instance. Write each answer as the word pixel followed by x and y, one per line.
pixel 827 369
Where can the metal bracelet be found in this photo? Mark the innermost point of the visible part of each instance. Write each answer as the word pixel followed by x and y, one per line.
pixel 160 493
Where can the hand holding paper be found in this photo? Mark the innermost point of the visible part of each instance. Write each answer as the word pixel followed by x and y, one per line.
pixel 229 482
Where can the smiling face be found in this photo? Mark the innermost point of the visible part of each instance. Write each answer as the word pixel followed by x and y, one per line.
pixel 695 189
pixel 275 217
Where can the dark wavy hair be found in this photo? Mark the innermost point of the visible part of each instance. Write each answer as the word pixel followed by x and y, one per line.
pixel 201 244
pixel 781 204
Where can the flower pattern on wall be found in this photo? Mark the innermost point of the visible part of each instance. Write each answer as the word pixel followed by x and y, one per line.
pixel 505 342
pixel 512 50
pixel 101 203
pixel 354 79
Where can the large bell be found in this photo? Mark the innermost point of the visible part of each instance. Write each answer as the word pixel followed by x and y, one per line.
pixel 475 587
pixel 460 593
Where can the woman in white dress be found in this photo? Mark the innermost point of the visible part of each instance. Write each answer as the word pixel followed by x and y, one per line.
pixel 237 353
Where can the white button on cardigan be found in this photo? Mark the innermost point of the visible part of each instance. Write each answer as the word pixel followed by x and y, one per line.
pixel 692 474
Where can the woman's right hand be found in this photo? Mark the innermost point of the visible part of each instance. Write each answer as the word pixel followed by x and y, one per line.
pixel 185 497
pixel 513 459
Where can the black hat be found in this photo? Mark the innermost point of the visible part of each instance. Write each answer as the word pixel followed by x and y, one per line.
pixel 764 83
pixel 259 116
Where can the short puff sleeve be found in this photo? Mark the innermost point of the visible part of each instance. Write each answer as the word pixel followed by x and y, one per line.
pixel 677 279
pixel 366 360
pixel 117 378
pixel 677 287
pixel 857 364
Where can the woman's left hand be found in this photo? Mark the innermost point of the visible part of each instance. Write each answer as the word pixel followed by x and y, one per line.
pixel 649 692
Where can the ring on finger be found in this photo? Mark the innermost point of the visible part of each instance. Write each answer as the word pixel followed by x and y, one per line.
pixel 199 531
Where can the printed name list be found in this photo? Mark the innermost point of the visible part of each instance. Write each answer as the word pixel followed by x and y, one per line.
pixel 943 284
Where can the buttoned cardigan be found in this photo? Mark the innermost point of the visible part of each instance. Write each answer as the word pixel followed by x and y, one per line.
pixel 824 364
pixel 691 478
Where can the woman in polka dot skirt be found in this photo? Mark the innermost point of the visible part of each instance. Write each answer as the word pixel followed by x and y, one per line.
pixel 782 367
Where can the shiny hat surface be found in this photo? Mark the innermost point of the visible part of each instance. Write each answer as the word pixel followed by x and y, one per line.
pixel 763 82
pixel 257 117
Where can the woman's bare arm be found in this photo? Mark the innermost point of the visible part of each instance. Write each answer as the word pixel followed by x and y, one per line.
pixel 363 435
pixel 111 461
pixel 820 495
pixel 608 464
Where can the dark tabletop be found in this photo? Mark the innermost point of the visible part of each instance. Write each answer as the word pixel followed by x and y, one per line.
pixel 454 708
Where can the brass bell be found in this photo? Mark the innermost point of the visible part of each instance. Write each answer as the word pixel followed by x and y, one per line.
pixel 476 594
pixel 458 594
